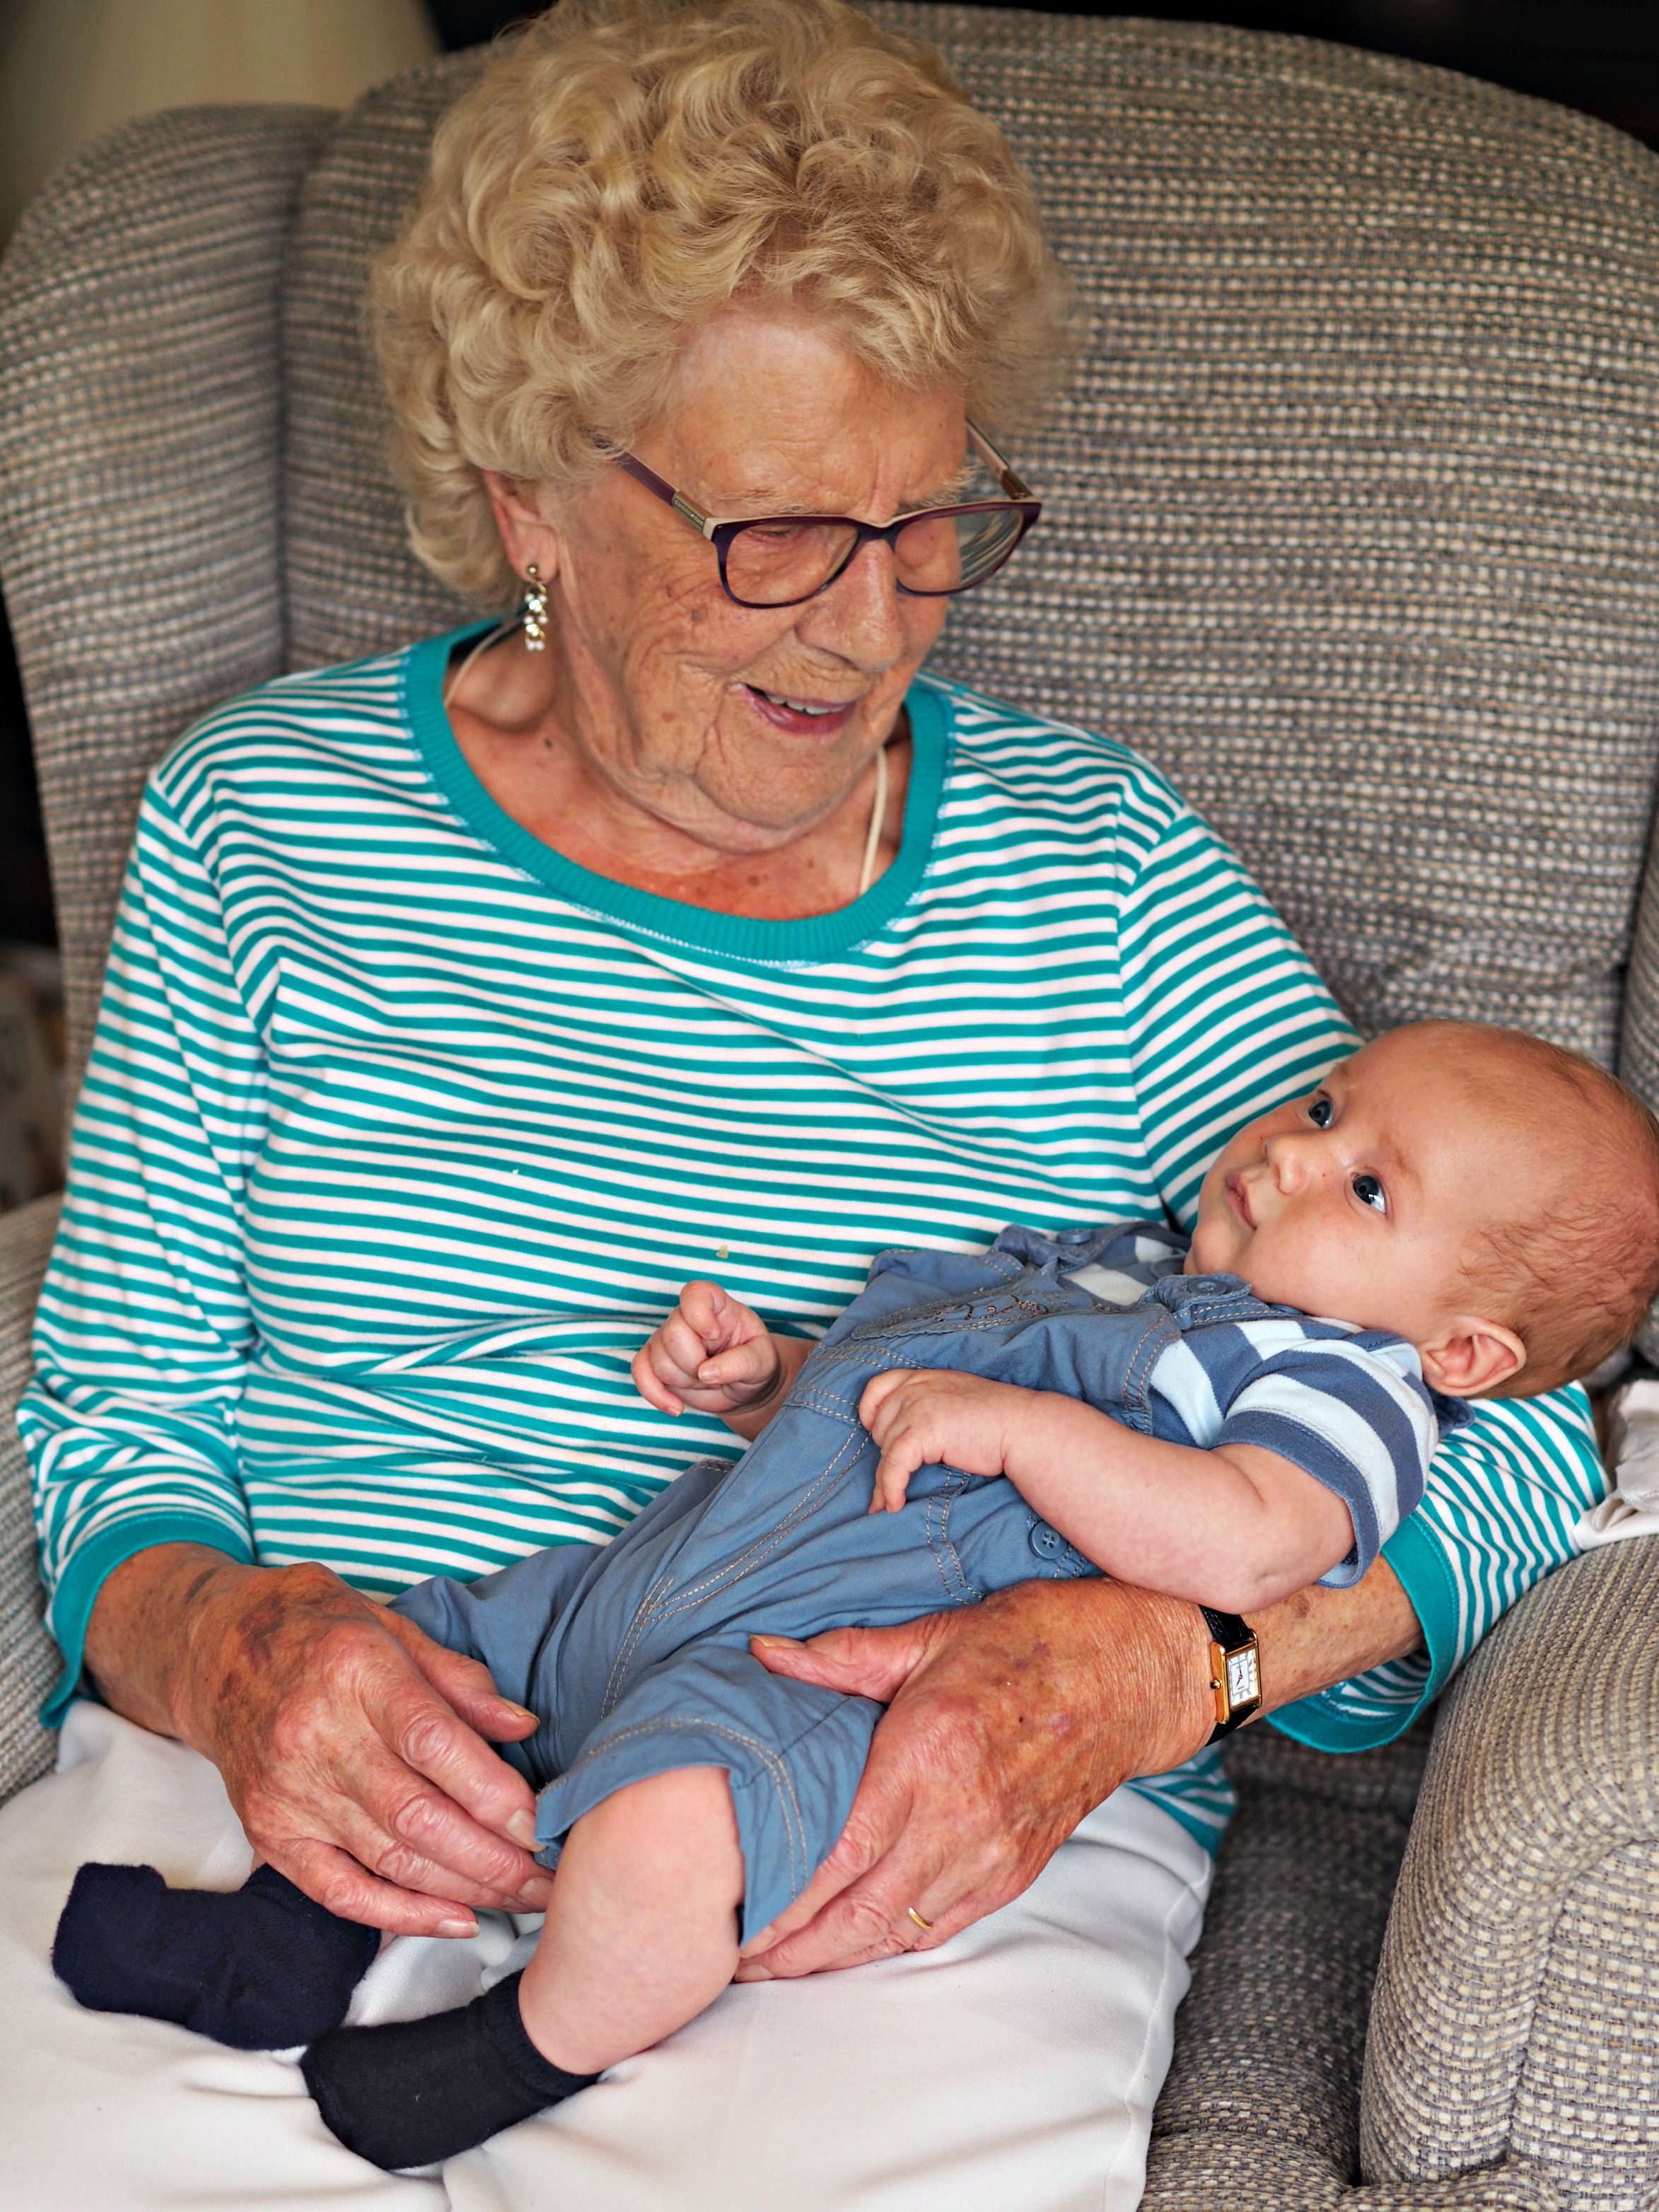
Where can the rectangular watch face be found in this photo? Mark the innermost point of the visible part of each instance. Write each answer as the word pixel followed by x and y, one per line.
pixel 1243 1677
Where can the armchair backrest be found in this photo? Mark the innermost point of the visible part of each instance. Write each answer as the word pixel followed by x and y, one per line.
pixel 1353 515
pixel 141 412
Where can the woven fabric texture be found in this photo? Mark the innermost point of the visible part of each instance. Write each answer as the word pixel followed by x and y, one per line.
pixel 139 426
pixel 1353 513
pixel 1291 1938
pixel 1262 2106
pixel 1518 2003
pixel 1638 1051
pixel 28 1658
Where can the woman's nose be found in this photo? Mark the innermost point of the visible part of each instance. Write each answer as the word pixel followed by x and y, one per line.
pixel 860 617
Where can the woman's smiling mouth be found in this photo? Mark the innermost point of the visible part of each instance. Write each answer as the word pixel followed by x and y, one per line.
pixel 821 717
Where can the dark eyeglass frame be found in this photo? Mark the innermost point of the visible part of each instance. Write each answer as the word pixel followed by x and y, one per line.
pixel 721 531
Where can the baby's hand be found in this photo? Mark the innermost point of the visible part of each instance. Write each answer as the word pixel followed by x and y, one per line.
pixel 922 1414
pixel 711 1354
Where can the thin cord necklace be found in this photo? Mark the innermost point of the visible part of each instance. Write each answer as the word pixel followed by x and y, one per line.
pixel 878 823
pixel 490 637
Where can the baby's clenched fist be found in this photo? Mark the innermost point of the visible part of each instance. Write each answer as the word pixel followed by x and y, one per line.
pixel 921 1416
pixel 715 1354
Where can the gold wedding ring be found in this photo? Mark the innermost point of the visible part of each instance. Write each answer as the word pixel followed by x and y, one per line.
pixel 926 1926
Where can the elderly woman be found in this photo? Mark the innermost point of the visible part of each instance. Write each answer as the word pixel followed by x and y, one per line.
pixel 465 1001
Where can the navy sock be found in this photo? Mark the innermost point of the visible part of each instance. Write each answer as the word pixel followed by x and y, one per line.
pixel 262 1968
pixel 417 2092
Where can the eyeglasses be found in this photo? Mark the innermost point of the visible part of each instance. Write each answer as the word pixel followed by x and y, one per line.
pixel 779 560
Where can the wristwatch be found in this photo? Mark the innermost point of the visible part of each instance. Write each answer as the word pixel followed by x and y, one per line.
pixel 1235 1671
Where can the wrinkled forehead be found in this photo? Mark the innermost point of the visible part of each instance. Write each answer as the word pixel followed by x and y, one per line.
pixel 776 415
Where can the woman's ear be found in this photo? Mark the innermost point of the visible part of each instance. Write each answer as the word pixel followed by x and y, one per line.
pixel 1472 1357
pixel 526 534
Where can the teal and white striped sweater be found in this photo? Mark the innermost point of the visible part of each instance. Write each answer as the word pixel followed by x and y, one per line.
pixel 401 1133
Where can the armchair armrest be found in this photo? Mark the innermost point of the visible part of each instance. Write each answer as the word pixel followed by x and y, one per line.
pixel 1515 2025
pixel 28 1658
pixel 1512 2062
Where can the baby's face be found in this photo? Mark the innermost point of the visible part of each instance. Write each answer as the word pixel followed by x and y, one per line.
pixel 1357 1202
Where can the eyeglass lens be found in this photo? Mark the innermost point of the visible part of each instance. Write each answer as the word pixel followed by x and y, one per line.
pixel 772 562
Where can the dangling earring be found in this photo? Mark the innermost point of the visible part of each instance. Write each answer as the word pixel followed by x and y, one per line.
pixel 534 615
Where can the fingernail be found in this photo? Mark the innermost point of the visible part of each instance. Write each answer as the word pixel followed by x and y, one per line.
pixel 789 1642
pixel 522 1712
pixel 457 1928
pixel 748 1971
pixel 537 1895
pixel 760 1942
pixel 522 1829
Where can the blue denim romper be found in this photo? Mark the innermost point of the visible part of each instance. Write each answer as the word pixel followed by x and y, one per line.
pixel 635 1654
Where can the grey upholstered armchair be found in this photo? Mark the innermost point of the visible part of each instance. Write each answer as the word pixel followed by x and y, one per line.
pixel 1353 526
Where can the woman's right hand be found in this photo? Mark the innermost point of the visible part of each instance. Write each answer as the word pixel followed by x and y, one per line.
pixel 354 1750
pixel 713 1353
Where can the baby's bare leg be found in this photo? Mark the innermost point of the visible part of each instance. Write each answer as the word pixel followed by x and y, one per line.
pixel 641 1935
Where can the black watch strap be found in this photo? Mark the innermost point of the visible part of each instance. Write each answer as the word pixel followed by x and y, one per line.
pixel 1235 1671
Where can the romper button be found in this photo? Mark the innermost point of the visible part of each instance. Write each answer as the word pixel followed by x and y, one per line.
pixel 1045 1540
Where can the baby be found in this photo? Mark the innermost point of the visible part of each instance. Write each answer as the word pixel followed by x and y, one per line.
pixel 1480 1209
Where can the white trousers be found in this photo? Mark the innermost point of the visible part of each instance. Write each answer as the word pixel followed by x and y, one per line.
pixel 1012 2070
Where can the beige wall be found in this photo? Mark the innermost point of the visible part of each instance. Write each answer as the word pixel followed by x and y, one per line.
pixel 72 68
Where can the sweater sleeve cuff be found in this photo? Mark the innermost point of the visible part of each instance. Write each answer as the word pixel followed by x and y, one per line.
pixel 1325 1724
pixel 85 1575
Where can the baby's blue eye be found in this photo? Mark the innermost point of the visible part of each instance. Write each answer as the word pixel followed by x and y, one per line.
pixel 1320 1113
pixel 1370 1191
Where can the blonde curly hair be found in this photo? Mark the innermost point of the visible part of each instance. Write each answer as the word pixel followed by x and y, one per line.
pixel 622 171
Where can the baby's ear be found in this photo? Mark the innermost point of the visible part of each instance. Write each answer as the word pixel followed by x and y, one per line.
pixel 1471 1358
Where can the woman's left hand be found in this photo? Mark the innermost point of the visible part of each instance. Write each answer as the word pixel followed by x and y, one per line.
pixel 1009 1721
